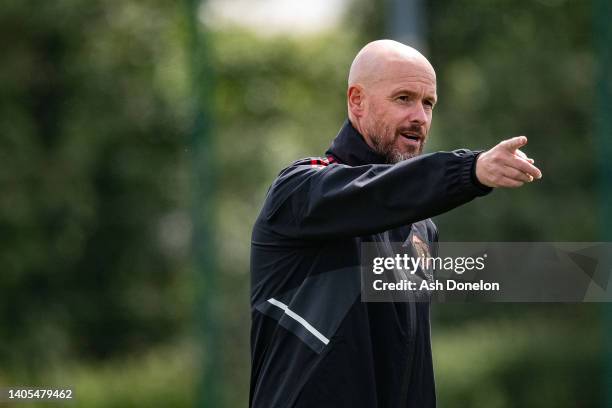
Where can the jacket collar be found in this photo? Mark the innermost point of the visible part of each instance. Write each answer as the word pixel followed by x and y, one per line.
pixel 349 147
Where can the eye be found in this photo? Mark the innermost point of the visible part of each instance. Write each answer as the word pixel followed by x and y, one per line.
pixel 403 98
pixel 429 104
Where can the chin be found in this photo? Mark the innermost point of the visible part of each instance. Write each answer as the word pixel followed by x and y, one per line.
pixel 397 156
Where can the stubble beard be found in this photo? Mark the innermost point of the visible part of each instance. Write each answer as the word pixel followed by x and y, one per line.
pixel 384 141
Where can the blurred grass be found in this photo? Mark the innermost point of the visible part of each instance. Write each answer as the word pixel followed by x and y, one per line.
pixel 519 362
pixel 477 364
pixel 162 377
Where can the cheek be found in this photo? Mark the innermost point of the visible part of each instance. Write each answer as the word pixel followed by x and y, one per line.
pixel 429 118
pixel 399 113
pixel 390 114
pixel 372 108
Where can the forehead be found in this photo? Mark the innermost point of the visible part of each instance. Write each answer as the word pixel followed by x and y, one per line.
pixel 415 76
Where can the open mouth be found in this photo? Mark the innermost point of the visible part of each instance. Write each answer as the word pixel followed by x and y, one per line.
pixel 411 136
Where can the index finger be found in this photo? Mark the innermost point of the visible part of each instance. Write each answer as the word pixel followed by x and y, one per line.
pixel 514 143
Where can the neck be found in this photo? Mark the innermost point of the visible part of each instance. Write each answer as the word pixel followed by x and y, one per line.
pixel 350 147
pixel 358 125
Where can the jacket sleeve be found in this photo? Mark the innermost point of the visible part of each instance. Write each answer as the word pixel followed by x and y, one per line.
pixel 307 201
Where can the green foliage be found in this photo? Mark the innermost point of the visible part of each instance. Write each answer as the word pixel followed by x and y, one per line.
pixel 528 361
pixel 92 143
pixel 519 68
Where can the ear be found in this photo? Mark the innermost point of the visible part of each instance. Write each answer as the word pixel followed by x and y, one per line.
pixel 356 100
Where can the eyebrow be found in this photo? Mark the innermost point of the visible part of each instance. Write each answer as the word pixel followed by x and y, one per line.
pixel 402 91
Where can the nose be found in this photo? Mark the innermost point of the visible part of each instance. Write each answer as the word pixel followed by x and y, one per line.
pixel 418 115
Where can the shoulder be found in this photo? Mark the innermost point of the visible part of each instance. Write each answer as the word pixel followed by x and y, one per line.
pixel 302 169
pixel 296 176
pixel 315 163
pixel 290 189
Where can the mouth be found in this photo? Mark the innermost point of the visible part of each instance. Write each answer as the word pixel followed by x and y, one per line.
pixel 412 137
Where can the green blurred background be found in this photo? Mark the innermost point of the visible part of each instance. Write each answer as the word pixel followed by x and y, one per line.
pixel 138 140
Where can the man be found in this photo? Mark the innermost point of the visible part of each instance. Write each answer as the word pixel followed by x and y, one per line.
pixel 314 342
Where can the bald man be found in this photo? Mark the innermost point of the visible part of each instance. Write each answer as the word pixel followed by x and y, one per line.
pixel 315 343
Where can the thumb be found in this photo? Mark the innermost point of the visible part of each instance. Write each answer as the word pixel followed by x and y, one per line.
pixel 514 143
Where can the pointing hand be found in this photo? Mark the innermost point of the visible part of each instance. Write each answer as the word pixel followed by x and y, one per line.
pixel 506 166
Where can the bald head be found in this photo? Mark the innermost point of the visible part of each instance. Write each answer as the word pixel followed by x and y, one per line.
pixel 380 59
pixel 391 94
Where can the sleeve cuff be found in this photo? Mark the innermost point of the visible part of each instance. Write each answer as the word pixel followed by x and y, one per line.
pixel 468 175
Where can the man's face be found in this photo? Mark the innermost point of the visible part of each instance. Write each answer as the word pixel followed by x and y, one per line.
pixel 399 110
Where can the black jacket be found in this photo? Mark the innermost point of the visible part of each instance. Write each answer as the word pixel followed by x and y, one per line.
pixel 314 343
